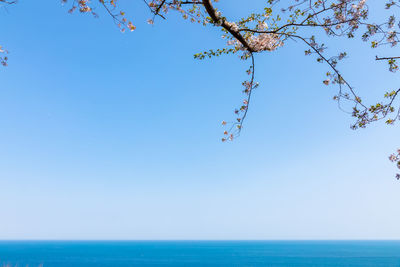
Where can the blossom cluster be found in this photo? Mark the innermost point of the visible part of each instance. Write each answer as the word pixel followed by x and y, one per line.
pixel 357 11
pixel 84 6
pixel 258 43
pixel 384 33
pixel 377 112
pixel 265 42
pixel 257 40
pixel 395 158
pixel 3 59
pixel 191 11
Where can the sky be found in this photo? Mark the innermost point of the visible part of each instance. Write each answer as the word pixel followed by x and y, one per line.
pixel 110 135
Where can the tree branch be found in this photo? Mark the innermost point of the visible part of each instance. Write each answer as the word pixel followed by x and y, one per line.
pixel 225 24
pixel 385 58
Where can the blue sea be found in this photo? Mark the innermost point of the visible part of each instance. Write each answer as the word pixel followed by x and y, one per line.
pixel 199 253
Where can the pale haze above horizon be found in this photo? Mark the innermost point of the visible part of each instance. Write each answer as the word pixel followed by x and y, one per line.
pixel 108 135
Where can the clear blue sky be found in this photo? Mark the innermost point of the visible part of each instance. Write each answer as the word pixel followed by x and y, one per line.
pixel 107 135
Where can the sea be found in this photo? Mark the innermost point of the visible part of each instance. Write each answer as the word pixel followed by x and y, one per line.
pixel 198 253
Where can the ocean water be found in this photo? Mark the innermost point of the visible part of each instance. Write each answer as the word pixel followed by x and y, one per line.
pixel 199 253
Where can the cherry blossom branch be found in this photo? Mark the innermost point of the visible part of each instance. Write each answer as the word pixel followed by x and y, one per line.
pixel 155 12
pixel 236 126
pixel 392 61
pixel 251 87
pixel 230 27
pixel 332 67
pixel 341 79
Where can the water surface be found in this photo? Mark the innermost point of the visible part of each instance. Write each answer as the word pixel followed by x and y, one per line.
pixel 199 253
